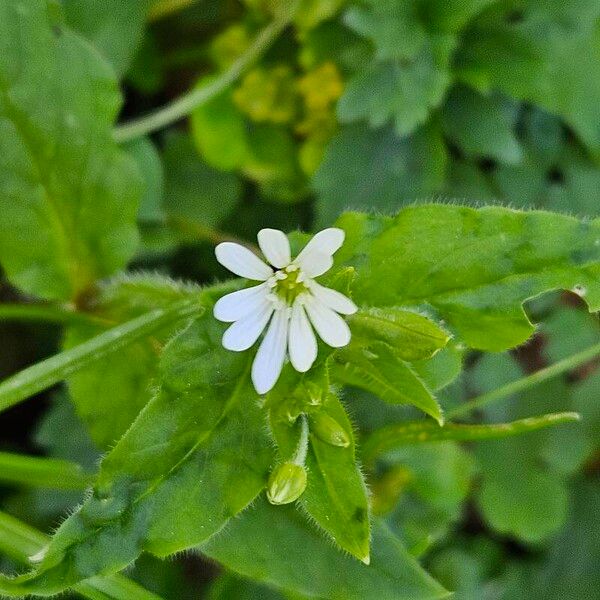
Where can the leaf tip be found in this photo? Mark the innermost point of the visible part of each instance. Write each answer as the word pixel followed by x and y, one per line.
pixel 366 559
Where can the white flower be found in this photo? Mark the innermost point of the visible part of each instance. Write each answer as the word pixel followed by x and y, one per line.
pixel 286 303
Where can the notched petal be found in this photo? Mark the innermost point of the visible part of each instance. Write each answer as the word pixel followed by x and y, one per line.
pixel 275 246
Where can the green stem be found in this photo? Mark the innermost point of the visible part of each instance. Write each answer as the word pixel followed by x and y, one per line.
pixel 562 366
pixel 43 472
pixel 426 431
pixel 42 375
pixel 20 542
pixel 200 95
pixel 299 457
pixel 195 231
pixel 46 314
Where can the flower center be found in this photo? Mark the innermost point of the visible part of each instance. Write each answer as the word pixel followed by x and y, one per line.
pixel 289 284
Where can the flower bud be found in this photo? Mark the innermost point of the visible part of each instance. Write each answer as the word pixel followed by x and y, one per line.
pixel 286 483
pixel 326 428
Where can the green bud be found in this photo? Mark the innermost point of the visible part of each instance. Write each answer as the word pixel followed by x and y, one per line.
pixel 326 428
pixel 286 483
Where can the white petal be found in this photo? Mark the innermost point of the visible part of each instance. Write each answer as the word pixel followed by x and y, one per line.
pixel 302 344
pixel 316 264
pixel 316 257
pixel 271 353
pixel 332 329
pixel 333 299
pixel 242 262
pixel 237 305
pixel 275 246
pixel 243 333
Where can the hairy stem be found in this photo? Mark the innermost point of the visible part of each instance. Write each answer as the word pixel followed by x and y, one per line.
pixel 426 431
pixel 299 457
pixel 562 366
pixel 34 471
pixel 182 106
pixel 46 314
pixel 43 375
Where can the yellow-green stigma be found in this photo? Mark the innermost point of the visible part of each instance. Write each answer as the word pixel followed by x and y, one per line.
pixel 289 284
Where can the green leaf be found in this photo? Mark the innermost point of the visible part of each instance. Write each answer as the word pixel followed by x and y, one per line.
pixel 532 60
pixel 442 369
pixel 432 484
pixel 450 15
pixel 378 369
pixel 109 393
pixel 336 496
pixel 229 586
pixel 150 165
pixel 195 457
pixel 219 131
pixel 114 27
pixel 393 27
pixel 404 92
pixel 481 125
pixel 69 197
pixel 517 497
pixel 21 541
pixel 420 432
pixel 475 267
pixel 412 336
pixel 266 539
pixel 366 169
pixel 194 191
pixel 522 492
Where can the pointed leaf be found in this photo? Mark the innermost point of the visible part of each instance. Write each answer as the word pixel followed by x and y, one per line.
pixel 194 458
pixel 380 371
pixel 336 495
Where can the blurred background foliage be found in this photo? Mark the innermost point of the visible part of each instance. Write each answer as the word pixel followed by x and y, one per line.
pixel 370 105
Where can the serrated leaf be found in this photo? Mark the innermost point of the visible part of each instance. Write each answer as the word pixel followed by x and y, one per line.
pixel 110 393
pixel 194 458
pixel 533 59
pixel 393 27
pixel 266 539
pixel 475 267
pixel 113 26
pixel 336 496
pixel 366 169
pixel 378 369
pixel 412 336
pixel 403 92
pixel 68 197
